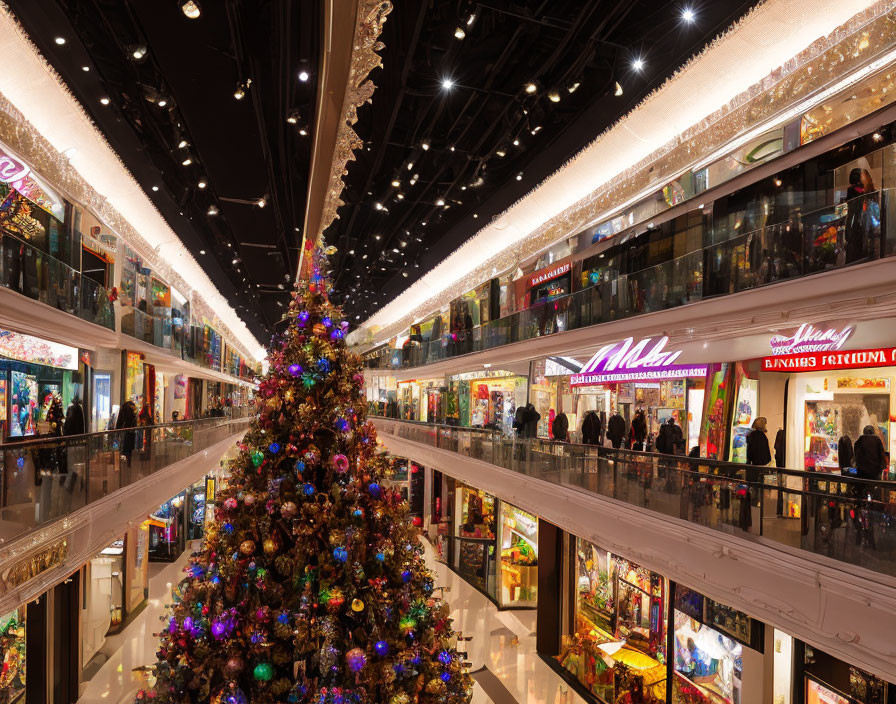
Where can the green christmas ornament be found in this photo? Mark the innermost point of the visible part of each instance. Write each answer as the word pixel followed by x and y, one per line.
pixel 263 672
pixel 257 457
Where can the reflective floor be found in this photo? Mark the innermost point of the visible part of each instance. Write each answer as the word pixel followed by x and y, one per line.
pixel 505 666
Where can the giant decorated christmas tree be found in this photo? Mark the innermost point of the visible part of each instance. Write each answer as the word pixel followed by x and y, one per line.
pixel 310 586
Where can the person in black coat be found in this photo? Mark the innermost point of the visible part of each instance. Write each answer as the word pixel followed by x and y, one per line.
pixel 519 421
pixel 591 428
pixel 758 451
pixel 670 440
pixel 532 417
pixel 780 448
pixel 638 433
pixel 870 456
pixel 74 419
pixel 127 418
pixel 616 430
pixel 845 454
pixel 560 427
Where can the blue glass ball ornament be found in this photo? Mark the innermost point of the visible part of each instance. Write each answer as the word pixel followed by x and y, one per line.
pixel 381 648
pixel 340 554
pixel 274 448
pixel 20 462
pixel 381 556
pixel 446 676
pixel 406 576
pixel 228 527
pixel 356 659
pixel 337 335
pixel 445 657
pixel 326 321
pixel 295 369
pixel 374 489
pixel 308 488
pixel 358 513
pixel 299 466
pixel 304 316
pixel 323 365
pixel 283 618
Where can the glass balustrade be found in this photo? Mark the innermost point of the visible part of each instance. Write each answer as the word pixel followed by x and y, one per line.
pixel 806 244
pixel 844 518
pixel 41 277
pixel 47 478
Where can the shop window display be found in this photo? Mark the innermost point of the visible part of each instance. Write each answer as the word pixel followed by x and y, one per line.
pixel 519 557
pixel 618 648
pixel 474 556
pixel 708 664
pixel 12 656
pixel 103 598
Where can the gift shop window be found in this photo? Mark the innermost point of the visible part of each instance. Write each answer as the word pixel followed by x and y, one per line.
pixel 12 656
pixel 617 647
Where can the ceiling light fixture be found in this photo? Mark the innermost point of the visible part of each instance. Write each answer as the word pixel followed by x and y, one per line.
pixel 191 9
pixel 554 96
pixel 688 15
pixel 213 210
pixel 459 33
pixel 536 129
pixel 501 153
pixel 104 100
pixel 202 184
pixel 59 40
pixel 139 52
pixel 400 196
pixel 155 188
pixel 303 132
pixel 618 90
pixel 262 202
pixel 241 89
pixel 395 183
pixel 304 76
pixel 424 145
pixel 292 119
pixel 638 64
pixel 85 68
pixel 202 251
pixel 519 176
pixel 531 88
pixel 447 84
pixel 516 142
pixel 376 237
pixel 440 201
pixel 187 161
pixel 163 103
pixel 378 206
pixel 574 87
pixel 181 144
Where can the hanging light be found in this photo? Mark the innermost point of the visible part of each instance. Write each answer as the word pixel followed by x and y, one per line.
pixel 395 183
pixel 202 184
pixel 638 64
pixel 213 210
pixel 304 76
pixel 531 87
pixel 554 96
pixel 262 202
pixel 240 92
pixel 187 161
pixel 440 201
pixel 573 87
pixel 459 33
pixel 688 15
pixel 424 145
pixel 191 9
pixel 618 89
pixel 182 144
pixel 104 100
pixel 59 40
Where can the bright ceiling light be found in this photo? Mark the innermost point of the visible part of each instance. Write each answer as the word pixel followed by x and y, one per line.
pixel 104 100
pixel 688 15
pixel 163 103
pixel 191 9
pixel 240 92
pixel 303 132
pixel 471 19
pixel 424 145
pixel 181 144
pixel 574 87
pixel 202 184
pixel 554 96
pixel 516 142
pixel 304 76
pixel 395 183
pixel 638 64
pixel 139 52
pixel 292 119
pixel 400 196
pixel 213 210
pixel 531 87
pixel 85 68
pixel 440 201
pixel 261 202
pixel 447 84
pixel 501 153
pixel 459 33
pixel 59 40
pixel 618 91
pixel 202 251
pixel 378 206
pixel 155 188
pixel 410 165
pixel 519 176
pixel 187 161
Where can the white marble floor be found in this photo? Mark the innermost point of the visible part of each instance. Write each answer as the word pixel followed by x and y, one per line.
pixel 503 642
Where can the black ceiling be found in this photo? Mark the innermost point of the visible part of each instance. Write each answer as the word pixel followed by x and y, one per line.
pixel 463 180
pixel 245 150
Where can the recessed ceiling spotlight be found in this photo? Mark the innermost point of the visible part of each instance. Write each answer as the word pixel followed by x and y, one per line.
pixel 304 76
pixel 104 100
pixel 471 19
pixel 451 148
pixel 404 274
pixel 85 68
pixel 59 40
pixel 139 52
pixel 187 161
pixel 638 64
pixel 475 215
pixel 423 223
pixel 447 84
pixel 459 33
pixel 688 15
pixel 573 87
pixel 202 251
pixel 531 87
pixel 213 210
pixel 240 92
pixel 395 183
pixel 440 201
pixel 424 145
pixel 191 9
pixel 516 142
pixel 376 237
pixel 410 165
pixel 519 176
pixel 155 188
pixel 202 184
pixel 400 196
pixel 501 153
pixel 554 96
pixel 261 202
pixel 182 144
pixel 163 103
pixel 618 90
pixel 536 129
pixel 292 119
pixel 378 206
pixel 303 132
pixel 351 251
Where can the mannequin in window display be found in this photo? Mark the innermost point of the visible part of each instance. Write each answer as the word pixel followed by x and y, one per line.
pixel 862 216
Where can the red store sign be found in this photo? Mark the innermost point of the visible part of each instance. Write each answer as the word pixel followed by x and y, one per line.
pixel 824 361
pixel 540 277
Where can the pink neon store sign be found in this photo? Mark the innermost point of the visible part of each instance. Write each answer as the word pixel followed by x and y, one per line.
pixel 630 361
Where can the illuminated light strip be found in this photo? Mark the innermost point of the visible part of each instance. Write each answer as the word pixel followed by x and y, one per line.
pixel 34 89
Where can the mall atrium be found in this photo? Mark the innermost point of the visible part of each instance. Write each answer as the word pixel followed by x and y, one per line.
pixel 447 352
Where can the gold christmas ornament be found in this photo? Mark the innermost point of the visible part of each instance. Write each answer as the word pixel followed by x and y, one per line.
pixel 357 605
pixel 247 547
pixel 270 547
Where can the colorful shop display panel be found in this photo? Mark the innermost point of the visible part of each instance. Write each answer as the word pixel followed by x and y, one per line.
pixel 12 655
pixel 519 557
pixel 618 646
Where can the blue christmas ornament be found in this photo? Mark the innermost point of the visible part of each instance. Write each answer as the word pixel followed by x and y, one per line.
pixel 295 369
pixel 300 466
pixel 416 660
pixel 308 488
pixel 374 489
pixel 446 676
pixel 340 554
pixel 327 322
pixel 283 618
pixel 342 425
pixel 323 365
pixel 381 557
pixel 381 648
pixel 445 657
pixel 274 448
pixel 303 316
pixel 228 527
pixel 406 576
pixel 20 462
pixel 337 335
pixel 358 513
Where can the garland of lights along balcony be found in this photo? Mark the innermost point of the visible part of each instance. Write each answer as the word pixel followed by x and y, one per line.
pixel 310 587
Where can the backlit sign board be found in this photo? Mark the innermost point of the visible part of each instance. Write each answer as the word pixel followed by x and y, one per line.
pixel 828 361
pixel 646 360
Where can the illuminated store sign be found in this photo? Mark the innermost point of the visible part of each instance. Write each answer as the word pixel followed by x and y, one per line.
pixel 19 176
pixel 647 360
pixel 26 348
pixel 823 361
pixel 543 276
pixel 808 338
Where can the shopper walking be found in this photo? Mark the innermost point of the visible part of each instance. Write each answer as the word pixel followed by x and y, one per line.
pixel 870 457
pixel 560 428
pixel 616 430
pixel 74 419
pixel 670 440
pixel 758 451
pixel 127 418
pixel 591 428
pixel 638 433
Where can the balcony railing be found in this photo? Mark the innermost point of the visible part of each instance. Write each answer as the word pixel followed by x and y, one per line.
pixel 809 243
pixel 845 518
pixel 45 479
pixel 43 278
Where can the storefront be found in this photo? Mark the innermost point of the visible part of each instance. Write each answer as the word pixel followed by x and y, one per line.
pixel 408 478
pixel 544 285
pixel 13 655
pixel 33 374
pixel 827 680
pixel 518 543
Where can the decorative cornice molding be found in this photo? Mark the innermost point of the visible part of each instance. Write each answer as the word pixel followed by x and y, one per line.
pixel 359 90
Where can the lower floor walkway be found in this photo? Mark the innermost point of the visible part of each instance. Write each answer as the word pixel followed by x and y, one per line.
pixel 505 667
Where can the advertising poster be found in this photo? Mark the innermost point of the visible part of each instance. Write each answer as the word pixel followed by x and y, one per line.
pixel 23 405
pixel 817 693
pixel 712 432
pixel 745 412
